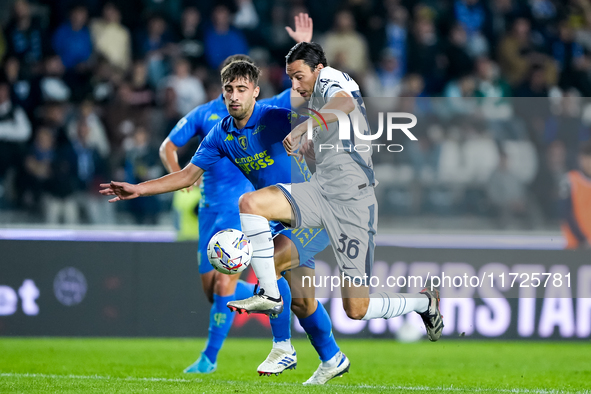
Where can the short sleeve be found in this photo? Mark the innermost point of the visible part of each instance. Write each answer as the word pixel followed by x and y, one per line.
pixel 329 87
pixel 186 128
pixel 209 151
pixel 281 120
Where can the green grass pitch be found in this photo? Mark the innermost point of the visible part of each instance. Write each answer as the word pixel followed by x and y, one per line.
pixel 76 365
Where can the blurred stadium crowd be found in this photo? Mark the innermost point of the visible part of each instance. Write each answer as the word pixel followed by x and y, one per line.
pixel 89 89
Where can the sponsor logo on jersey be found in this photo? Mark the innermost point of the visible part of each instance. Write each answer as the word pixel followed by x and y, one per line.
pixel 214 117
pixel 229 137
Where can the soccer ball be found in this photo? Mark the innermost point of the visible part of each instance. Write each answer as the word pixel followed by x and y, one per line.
pixel 229 251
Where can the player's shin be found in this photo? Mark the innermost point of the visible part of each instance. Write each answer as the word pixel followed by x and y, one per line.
pixel 387 305
pixel 220 321
pixel 258 231
pixel 319 330
pixel 281 324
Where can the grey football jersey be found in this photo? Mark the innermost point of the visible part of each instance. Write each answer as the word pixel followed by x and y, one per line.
pixel 343 172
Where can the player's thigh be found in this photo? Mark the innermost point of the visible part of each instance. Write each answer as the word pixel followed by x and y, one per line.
pixel 208 282
pixel 352 233
pixel 307 202
pixel 268 202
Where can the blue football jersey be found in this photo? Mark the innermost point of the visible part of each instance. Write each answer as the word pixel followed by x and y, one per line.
pixel 257 149
pixel 223 184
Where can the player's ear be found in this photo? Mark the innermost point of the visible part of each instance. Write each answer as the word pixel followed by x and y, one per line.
pixel 257 90
pixel 319 66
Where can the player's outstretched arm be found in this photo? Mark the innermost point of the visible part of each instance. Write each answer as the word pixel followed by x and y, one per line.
pixel 168 183
pixel 303 28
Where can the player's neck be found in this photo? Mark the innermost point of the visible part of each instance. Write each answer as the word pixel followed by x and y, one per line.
pixel 240 123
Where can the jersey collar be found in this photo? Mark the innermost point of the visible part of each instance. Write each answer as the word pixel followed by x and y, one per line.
pixel 254 117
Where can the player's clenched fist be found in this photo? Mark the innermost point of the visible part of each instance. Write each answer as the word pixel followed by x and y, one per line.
pixel 123 191
pixel 291 143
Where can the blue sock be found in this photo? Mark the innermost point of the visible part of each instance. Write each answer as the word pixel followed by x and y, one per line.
pixel 244 290
pixel 319 330
pixel 281 325
pixel 220 321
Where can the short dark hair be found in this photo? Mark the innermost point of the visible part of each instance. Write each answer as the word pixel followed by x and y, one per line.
pixel 241 69
pixel 235 58
pixel 585 149
pixel 310 52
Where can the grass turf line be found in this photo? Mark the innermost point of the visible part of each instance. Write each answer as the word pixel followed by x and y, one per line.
pixel 155 365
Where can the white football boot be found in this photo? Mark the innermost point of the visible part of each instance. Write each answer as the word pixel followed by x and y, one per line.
pixel 324 374
pixel 278 361
pixel 259 303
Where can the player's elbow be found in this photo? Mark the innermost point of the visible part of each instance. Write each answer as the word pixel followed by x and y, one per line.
pixel 166 147
pixel 349 105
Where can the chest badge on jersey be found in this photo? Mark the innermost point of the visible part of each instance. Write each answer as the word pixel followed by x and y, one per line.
pixel 243 141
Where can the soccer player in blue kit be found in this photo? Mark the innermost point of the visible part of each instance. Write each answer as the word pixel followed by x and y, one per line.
pixel 251 137
pixel 222 185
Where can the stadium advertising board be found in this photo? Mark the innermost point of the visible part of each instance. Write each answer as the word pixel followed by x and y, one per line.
pixel 153 289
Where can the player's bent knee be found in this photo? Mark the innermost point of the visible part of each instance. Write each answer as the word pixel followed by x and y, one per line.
pixel 355 311
pixel 248 204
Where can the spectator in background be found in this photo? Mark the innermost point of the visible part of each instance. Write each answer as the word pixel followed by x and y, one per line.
pixel 501 14
pixel 71 41
pixel 458 60
pixel 517 54
pixel 52 84
pixel 141 94
pixel 461 95
pixel 536 85
pixel 566 125
pixel 221 40
pixel 386 80
pixel 188 89
pixel 191 37
pixel 25 37
pixel 142 163
pixel 344 47
pixel 52 173
pixel 92 171
pixel 573 65
pixel 423 56
pixel 396 35
pixel 489 82
pixel 37 169
pixel 93 136
pixel 507 194
pixel 15 130
pixel 169 9
pixel 25 92
pixel 111 39
pixel 153 45
pixel 575 196
pixel 471 15
pixel 246 17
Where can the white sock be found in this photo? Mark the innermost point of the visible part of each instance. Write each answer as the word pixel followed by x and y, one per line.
pixel 284 345
pixel 333 362
pixel 388 305
pixel 258 231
